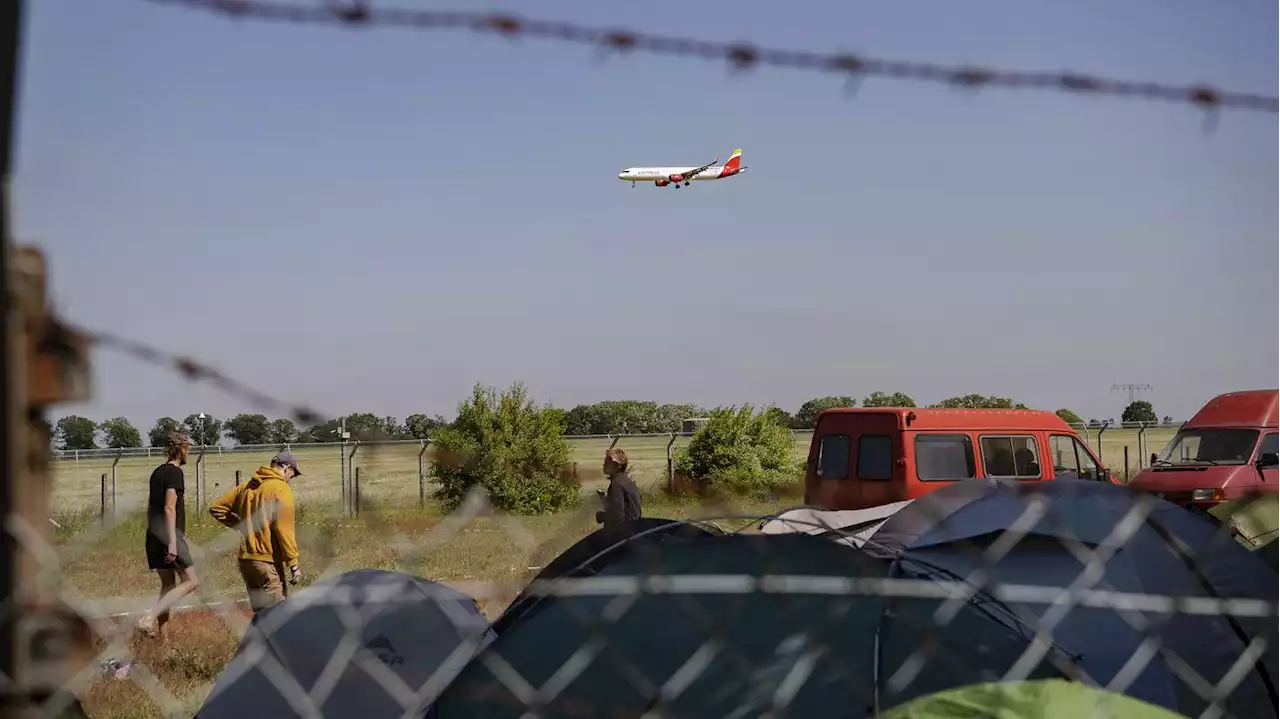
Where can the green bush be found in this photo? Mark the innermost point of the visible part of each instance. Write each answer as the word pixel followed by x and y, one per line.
pixel 511 448
pixel 740 452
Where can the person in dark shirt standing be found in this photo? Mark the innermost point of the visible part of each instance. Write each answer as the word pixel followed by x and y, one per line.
pixel 166 543
pixel 621 500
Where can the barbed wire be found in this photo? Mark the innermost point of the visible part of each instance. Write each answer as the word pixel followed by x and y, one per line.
pixel 740 56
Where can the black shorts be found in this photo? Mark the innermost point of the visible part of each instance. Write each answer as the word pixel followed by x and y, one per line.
pixel 156 551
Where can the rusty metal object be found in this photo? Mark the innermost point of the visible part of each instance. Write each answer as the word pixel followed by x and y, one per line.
pixel 51 642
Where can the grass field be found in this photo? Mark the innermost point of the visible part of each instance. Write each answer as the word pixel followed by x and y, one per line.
pixel 488 557
pixel 389 473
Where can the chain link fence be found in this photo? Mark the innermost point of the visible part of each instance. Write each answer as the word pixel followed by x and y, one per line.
pixel 722 620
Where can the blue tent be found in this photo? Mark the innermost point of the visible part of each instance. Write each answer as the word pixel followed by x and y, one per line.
pixel 415 637
pixel 1169 552
pixel 599 549
pixel 728 646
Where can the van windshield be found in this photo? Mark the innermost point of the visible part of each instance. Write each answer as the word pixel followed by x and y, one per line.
pixel 1210 446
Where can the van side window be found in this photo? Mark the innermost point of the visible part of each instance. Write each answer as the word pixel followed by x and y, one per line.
pixel 944 457
pixel 1088 468
pixel 1010 456
pixel 875 456
pixel 1063 452
pixel 1071 460
pixel 1269 445
pixel 833 456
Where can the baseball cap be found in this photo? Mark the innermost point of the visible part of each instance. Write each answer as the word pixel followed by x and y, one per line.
pixel 286 459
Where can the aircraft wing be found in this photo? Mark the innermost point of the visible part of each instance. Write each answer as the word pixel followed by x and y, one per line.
pixel 699 170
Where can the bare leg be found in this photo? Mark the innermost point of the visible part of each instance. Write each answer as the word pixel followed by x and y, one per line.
pixel 174 585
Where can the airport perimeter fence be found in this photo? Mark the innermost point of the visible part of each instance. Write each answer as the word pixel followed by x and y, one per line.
pixel 343 474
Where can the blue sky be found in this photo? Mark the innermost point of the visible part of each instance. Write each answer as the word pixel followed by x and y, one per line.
pixel 374 221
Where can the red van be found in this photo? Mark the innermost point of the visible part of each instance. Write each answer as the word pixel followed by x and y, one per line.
pixel 1226 451
pixel 864 457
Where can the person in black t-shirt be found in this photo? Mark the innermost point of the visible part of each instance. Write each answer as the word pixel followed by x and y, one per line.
pixel 166 543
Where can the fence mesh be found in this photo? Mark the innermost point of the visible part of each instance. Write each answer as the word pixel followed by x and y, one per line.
pixel 776 628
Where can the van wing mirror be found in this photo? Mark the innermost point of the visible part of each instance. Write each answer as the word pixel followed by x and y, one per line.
pixel 1268 459
pixel 1154 458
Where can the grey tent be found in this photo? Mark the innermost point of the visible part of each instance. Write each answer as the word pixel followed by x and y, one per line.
pixel 715 638
pixel 409 637
pixel 852 527
pixel 1173 655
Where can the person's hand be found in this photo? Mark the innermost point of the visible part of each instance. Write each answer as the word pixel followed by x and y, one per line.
pixel 171 554
pixel 295 574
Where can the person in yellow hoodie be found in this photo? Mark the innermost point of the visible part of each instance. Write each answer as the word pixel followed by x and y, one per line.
pixel 262 510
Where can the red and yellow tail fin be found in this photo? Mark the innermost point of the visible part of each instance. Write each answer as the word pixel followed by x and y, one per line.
pixel 735 161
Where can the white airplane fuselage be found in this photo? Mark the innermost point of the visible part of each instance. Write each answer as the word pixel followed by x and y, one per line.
pixel 665 174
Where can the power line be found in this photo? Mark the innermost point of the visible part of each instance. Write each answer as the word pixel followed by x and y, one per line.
pixel 740 56
pixel 1132 389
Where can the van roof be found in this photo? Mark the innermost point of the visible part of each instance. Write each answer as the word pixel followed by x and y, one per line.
pixel 977 419
pixel 1247 408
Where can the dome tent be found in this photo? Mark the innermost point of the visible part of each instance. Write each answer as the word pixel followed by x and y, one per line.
pixel 1153 548
pixel 415 632
pixel 733 648
pixel 599 549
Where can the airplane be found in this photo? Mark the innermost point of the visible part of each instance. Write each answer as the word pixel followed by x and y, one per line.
pixel 677 176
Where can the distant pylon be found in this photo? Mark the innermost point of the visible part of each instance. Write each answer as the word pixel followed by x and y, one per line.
pixel 1132 389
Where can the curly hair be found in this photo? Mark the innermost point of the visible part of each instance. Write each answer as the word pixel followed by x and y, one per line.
pixel 175 442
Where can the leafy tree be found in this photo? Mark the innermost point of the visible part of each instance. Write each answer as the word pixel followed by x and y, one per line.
pixel 880 399
pixel 365 425
pixel 392 429
pixel 207 431
pixel 778 416
pixel 1070 417
pixel 119 432
pixel 75 432
pixel 509 446
pixel 627 417
pixel 1167 421
pixel 249 429
pixel 1139 411
pixel 159 433
pixel 807 415
pixel 740 452
pixel 319 433
pixel 420 426
pixel 282 431
pixel 978 401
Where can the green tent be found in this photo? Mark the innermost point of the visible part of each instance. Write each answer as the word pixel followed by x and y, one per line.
pixel 1256 520
pixel 1043 699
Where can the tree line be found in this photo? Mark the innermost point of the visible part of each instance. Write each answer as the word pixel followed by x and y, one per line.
pixel 607 417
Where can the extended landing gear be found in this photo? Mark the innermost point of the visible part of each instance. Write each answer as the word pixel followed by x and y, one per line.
pixel 633 183
pixel 686 184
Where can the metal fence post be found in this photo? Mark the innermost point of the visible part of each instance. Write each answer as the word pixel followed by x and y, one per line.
pixel 422 474
pixel 237 478
pixel 1101 428
pixel 355 472
pixel 114 462
pixel 102 509
pixel 355 483
pixel 199 484
pixel 1126 463
pixel 1142 444
pixel 671 463
pixel 342 472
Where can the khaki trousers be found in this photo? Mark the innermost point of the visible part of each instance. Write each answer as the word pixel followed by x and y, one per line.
pixel 265 583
